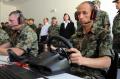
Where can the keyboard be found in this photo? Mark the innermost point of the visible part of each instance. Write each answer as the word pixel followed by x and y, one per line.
pixel 16 72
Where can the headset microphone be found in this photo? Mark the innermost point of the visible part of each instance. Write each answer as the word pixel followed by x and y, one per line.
pixel 87 22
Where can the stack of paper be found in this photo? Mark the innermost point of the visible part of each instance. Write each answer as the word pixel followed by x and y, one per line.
pixel 64 76
pixel 4 59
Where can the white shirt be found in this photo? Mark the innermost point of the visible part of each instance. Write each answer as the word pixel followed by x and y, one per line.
pixel 44 29
pixel 66 23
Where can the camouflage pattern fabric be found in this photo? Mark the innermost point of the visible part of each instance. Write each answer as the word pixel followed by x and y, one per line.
pixel 102 20
pixel 53 30
pixel 116 25
pixel 116 33
pixel 25 39
pixel 89 47
pixel 3 36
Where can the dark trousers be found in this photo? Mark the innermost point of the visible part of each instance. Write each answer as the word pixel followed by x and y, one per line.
pixel 43 39
pixel 41 43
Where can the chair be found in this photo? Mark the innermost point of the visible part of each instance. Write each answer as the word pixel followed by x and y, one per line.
pixel 112 72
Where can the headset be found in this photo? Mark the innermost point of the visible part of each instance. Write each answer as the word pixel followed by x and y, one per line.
pixel 93 13
pixel 94 10
pixel 76 16
pixel 19 15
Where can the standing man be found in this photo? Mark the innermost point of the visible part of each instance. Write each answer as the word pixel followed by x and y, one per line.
pixel 44 35
pixel 22 38
pixel 116 30
pixel 32 24
pixel 53 30
pixel 102 18
pixel 44 30
pixel 93 45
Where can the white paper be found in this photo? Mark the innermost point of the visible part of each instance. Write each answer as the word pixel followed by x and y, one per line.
pixel 4 59
pixel 64 76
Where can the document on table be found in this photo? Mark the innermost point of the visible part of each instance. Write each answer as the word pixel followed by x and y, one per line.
pixel 4 59
pixel 64 76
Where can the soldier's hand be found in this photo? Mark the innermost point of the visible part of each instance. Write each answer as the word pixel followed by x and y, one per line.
pixel 75 56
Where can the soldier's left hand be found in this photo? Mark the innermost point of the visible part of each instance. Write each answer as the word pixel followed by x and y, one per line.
pixel 75 56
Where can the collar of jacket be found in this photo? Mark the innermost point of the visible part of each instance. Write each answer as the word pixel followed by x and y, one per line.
pixel 80 31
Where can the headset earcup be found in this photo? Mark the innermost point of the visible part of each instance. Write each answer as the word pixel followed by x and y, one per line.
pixel 76 16
pixel 20 19
pixel 93 14
pixel 19 22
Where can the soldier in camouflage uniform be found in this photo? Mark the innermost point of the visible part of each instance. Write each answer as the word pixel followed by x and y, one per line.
pixel 116 30
pixel 93 45
pixel 54 28
pixel 22 38
pixel 102 18
pixel 4 38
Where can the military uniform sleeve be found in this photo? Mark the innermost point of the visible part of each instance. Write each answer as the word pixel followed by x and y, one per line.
pixel 116 25
pixel 106 18
pixel 28 41
pixel 105 48
pixel 3 37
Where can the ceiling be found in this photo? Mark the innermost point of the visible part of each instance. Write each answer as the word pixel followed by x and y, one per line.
pixel 13 2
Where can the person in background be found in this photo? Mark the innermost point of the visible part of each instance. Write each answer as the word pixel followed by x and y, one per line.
pixel 54 28
pixel 67 28
pixel 31 24
pixel 38 30
pixel 44 30
pixel 102 18
pixel 116 30
pixel 6 27
pixel 77 20
pixel 40 45
pixel 26 21
pixel 44 36
pixel 92 46
pixel 2 24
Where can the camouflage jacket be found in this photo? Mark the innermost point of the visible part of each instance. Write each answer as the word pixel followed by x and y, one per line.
pixel 25 39
pixel 53 30
pixel 116 33
pixel 3 36
pixel 94 44
pixel 102 20
pixel 116 25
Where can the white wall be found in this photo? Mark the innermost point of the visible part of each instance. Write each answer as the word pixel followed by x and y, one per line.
pixel 5 10
pixel 38 9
